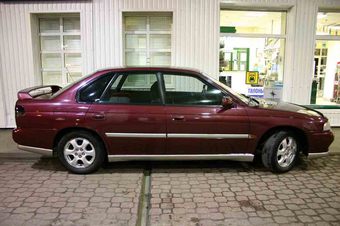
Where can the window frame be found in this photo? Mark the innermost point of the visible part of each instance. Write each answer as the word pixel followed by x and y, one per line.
pixel 65 73
pixel 148 50
pixel 126 73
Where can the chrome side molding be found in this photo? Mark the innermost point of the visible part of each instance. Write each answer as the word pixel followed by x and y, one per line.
pixel 234 157
pixel 209 136
pixel 41 151
pixel 181 135
pixel 137 135
pixel 317 155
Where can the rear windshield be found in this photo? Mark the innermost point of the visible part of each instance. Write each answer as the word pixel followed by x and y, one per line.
pixel 68 86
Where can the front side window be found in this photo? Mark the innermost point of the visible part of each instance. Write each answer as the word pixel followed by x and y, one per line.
pixel 189 90
pixel 60 49
pixel 136 88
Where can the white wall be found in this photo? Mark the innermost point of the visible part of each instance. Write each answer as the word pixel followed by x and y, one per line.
pixel 195 34
pixel 2 103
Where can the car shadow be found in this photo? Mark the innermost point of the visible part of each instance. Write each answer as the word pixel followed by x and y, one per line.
pixel 53 164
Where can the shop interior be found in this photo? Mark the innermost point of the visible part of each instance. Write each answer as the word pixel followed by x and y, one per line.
pixel 326 86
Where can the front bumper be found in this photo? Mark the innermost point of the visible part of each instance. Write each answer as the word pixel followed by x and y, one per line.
pixel 319 143
pixel 317 155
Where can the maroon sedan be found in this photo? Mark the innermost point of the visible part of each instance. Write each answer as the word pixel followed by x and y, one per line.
pixel 163 114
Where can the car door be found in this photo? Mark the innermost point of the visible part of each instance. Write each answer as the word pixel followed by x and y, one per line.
pixel 130 115
pixel 196 121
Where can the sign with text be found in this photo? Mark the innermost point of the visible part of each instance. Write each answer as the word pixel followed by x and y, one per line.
pixel 256 92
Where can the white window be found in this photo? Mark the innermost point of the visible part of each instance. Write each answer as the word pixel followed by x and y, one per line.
pixel 147 39
pixel 60 49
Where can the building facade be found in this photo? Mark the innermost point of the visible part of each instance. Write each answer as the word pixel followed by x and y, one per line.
pixel 288 47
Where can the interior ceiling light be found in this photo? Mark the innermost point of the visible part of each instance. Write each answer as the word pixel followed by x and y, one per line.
pixel 334 27
pixel 322 15
pixel 256 14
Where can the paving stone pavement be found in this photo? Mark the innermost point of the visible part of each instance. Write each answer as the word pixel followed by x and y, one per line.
pixel 42 192
pixel 242 194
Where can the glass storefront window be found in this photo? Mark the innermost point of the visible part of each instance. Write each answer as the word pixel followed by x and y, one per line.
pixel 253 22
pixel 325 88
pixel 263 55
pixel 328 24
pixel 326 76
pixel 252 49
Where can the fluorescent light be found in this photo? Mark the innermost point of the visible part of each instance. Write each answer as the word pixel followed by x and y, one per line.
pixel 334 27
pixel 322 15
pixel 256 14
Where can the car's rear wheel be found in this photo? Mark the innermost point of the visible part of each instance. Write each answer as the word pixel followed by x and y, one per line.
pixel 280 151
pixel 80 152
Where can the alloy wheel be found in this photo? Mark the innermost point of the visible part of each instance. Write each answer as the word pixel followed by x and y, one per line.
pixel 79 152
pixel 286 152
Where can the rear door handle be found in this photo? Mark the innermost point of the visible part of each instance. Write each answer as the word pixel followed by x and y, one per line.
pixel 178 118
pixel 98 116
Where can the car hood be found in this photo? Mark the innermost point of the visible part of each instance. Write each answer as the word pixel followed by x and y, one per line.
pixel 289 107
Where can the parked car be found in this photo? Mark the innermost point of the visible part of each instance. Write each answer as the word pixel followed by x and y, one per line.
pixel 163 114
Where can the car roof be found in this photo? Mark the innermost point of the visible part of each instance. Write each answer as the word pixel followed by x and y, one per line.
pixel 168 69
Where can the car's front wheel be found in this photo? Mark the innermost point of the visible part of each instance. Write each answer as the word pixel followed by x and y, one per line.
pixel 280 151
pixel 80 152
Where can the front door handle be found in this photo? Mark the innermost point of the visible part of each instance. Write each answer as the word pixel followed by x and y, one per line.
pixel 98 116
pixel 178 118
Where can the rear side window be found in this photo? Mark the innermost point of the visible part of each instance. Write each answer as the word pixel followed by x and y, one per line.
pixel 135 88
pixel 94 90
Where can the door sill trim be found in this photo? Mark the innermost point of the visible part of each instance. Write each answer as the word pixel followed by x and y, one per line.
pixel 41 151
pixel 235 157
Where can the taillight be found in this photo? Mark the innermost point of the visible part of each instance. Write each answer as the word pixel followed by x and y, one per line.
pixel 19 111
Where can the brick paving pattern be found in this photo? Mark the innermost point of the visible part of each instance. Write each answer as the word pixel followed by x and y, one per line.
pixel 42 192
pixel 242 195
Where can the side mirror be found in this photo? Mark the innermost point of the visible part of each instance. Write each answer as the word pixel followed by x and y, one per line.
pixel 227 102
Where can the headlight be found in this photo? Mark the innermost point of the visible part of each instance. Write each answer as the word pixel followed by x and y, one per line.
pixel 326 126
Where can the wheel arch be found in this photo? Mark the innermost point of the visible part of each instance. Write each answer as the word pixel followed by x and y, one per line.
pixel 64 131
pixel 300 135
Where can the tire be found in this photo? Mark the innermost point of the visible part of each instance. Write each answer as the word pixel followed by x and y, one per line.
pixel 280 152
pixel 81 152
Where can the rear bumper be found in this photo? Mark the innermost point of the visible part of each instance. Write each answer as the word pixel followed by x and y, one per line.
pixel 35 138
pixel 41 151
pixel 319 144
